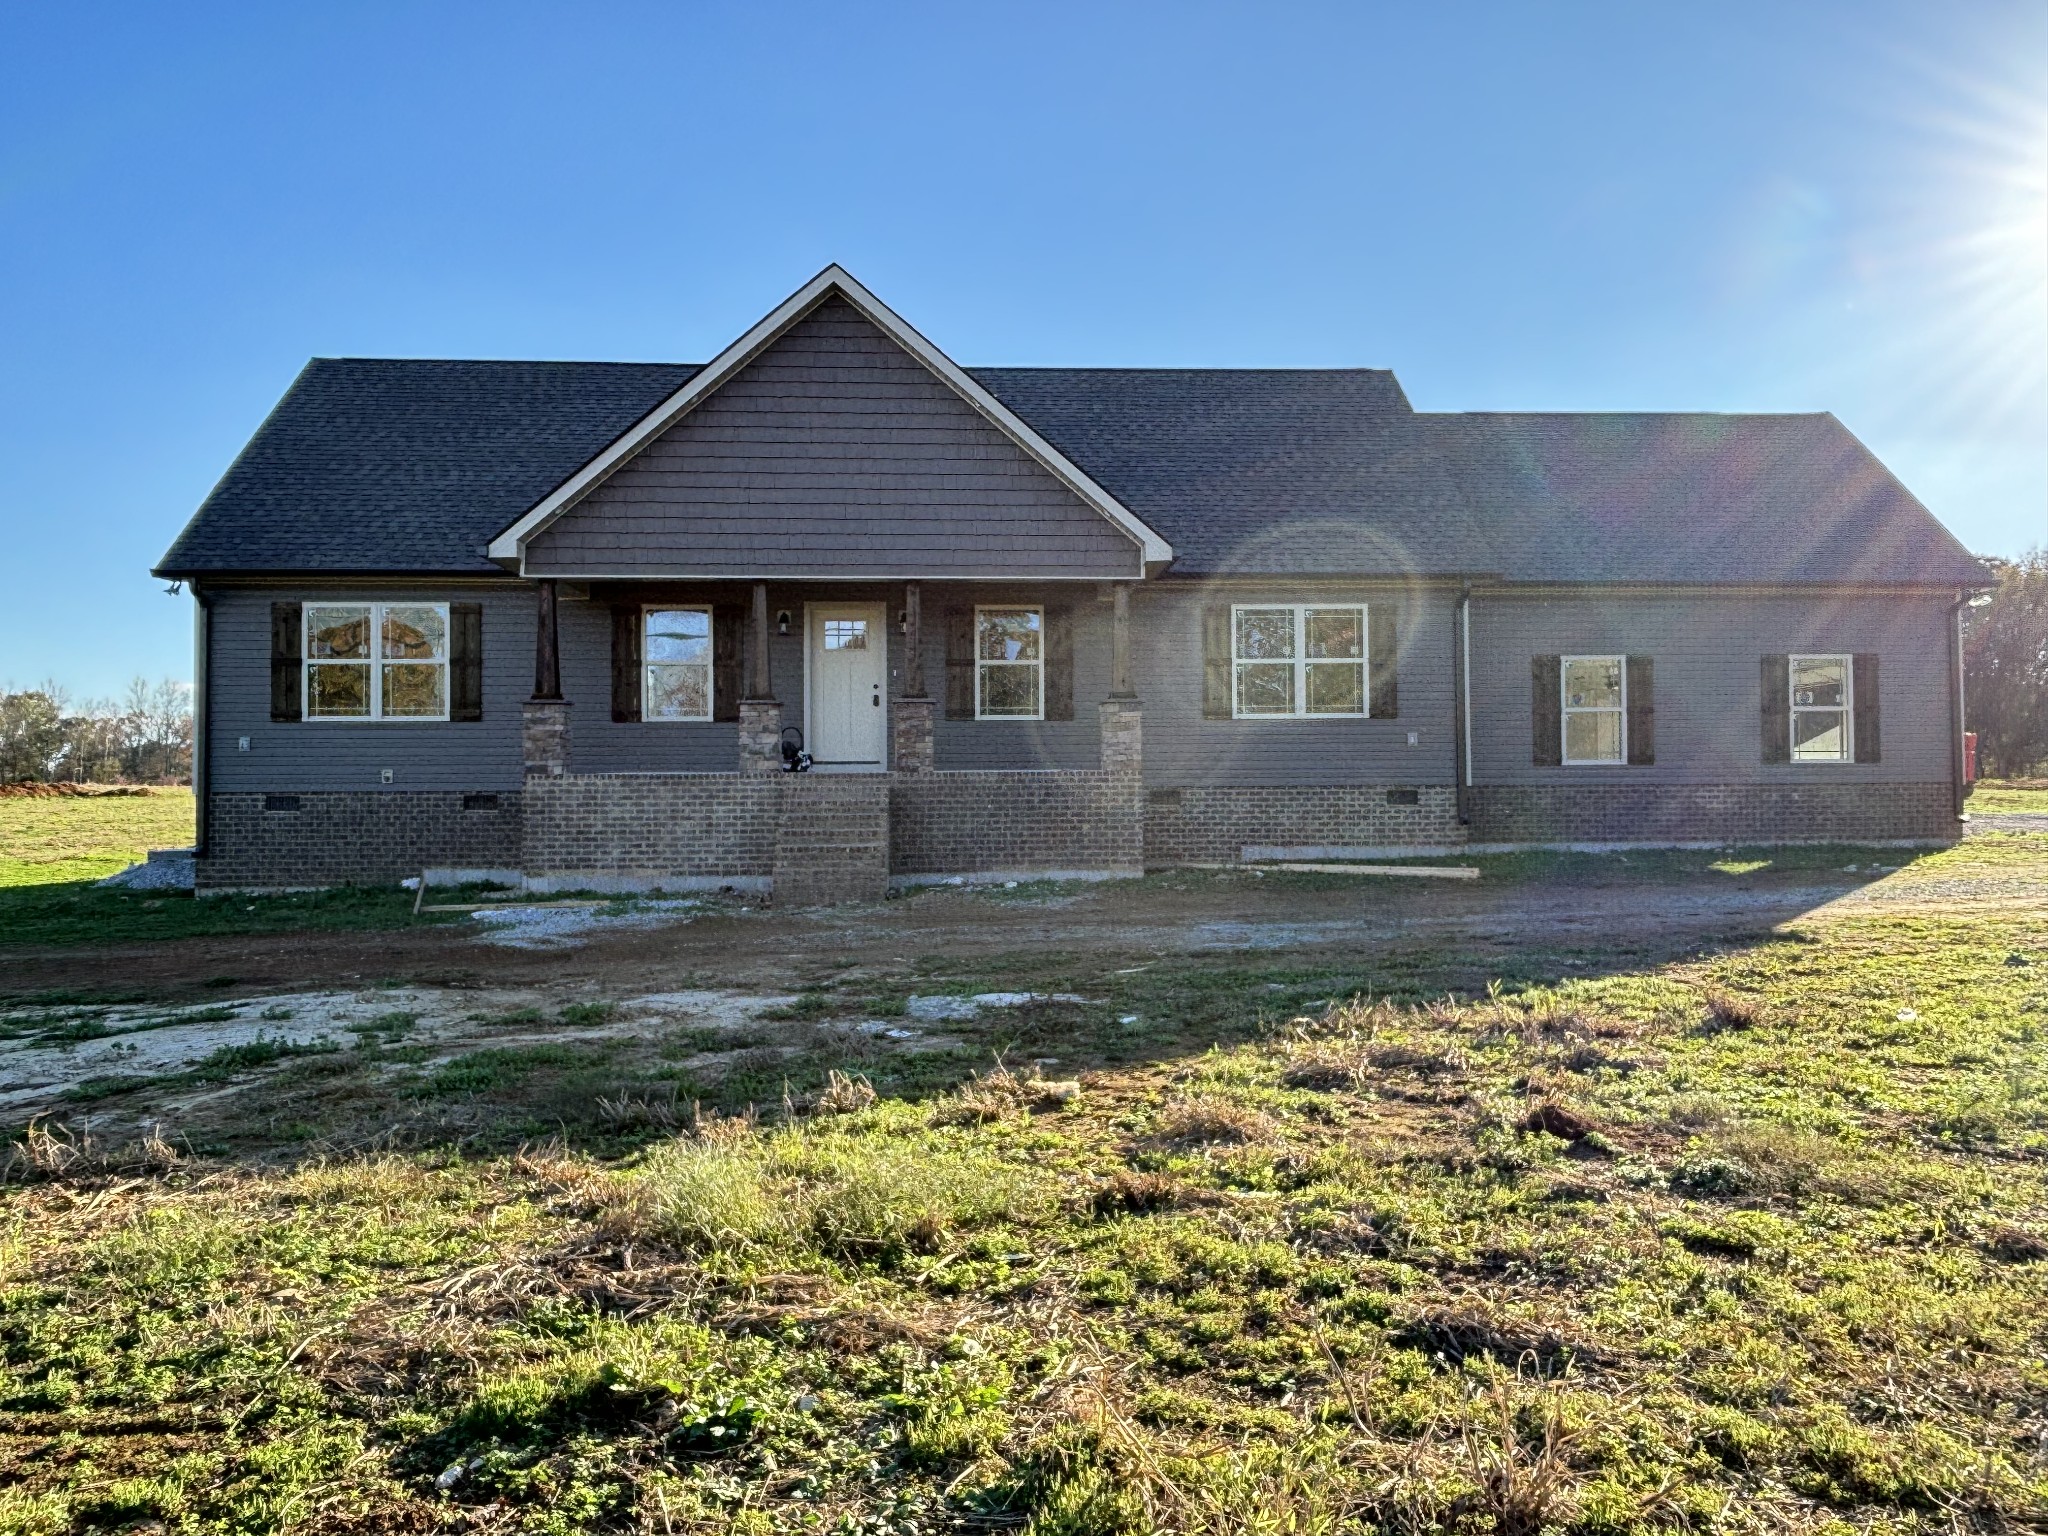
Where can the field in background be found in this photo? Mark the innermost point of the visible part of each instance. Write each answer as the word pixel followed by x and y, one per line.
pixel 50 840
pixel 2006 795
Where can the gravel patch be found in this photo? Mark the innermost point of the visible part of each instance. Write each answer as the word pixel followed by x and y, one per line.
pixel 166 869
pixel 943 1010
pixel 516 927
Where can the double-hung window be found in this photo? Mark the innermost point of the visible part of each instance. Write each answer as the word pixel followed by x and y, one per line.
pixel 376 661
pixel 1009 663
pixel 1289 661
pixel 1821 709
pixel 1595 708
pixel 676 679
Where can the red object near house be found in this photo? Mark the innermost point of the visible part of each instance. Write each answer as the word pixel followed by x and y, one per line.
pixel 1969 757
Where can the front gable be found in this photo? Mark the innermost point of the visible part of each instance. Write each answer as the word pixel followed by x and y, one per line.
pixel 833 449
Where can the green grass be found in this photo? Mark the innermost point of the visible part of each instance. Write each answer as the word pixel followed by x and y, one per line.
pixel 2002 795
pixel 55 841
pixel 1752 1238
pixel 78 914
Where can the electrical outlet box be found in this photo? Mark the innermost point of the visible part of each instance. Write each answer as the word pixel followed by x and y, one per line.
pixel 1415 738
pixel 387 775
pixel 243 745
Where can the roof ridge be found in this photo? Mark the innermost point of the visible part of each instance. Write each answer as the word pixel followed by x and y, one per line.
pixel 520 362
pixel 1149 368
pixel 1582 415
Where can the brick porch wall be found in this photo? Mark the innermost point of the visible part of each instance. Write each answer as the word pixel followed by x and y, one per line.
pixel 1761 813
pixel 683 825
pixel 354 837
pixel 966 823
pixel 1213 823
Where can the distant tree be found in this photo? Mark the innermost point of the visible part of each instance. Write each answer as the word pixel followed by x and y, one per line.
pixel 2005 669
pixel 145 738
pixel 31 733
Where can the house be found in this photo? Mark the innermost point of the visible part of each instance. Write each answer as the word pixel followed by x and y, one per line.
pixel 557 621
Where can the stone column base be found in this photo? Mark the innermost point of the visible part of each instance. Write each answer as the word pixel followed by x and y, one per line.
pixel 760 736
pixel 544 738
pixel 1123 736
pixel 910 734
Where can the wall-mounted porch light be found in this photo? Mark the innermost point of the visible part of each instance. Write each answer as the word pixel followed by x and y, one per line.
pixel 782 622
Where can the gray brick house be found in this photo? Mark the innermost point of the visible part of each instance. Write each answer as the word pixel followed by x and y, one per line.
pixel 558 621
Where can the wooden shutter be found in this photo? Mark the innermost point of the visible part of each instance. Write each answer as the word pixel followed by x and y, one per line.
pixel 1774 684
pixel 728 652
pixel 465 661
pixel 960 663
pixel 626 642
pixel 1383 647
pixel 287 635
pixel 1642 712
pixel 1546 711
pixel 1059 662
pixel 1863 693
pixel 1216 662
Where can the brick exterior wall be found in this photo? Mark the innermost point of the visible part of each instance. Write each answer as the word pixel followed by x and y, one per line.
pixel 967 823
pixel 1760 813
pixel 645 826
pixel 354 837
pixel 1213 823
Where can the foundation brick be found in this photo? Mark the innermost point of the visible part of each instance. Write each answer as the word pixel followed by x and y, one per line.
pixel 355 837
pixel 1760 813
pixel 1214 823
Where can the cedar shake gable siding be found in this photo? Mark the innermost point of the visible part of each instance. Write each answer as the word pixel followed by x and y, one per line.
pixel 833 455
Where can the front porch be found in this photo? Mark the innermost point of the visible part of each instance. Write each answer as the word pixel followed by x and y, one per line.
pixel 880 809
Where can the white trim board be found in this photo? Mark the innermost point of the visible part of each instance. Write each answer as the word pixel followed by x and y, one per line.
pixel 835 279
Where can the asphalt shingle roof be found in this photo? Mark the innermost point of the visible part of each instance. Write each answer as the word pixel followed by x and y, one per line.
pixel 1270 471
pixel 378 464
pixel 1675 497
pixel 373 465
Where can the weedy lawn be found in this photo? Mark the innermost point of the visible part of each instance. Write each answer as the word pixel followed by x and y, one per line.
pixel 87 837
pixel 2002 795
pixel 1752 1240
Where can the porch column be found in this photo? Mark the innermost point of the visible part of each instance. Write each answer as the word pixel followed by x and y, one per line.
pixel 1122 721
pixel 911 716
pixel 760 711
pixel 547 648
pixel 544 718
pixel 1120 644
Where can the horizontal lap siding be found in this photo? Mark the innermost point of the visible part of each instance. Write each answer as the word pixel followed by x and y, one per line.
pixel 1182 748
pixel 344 755
pixel 601 746
pixel 1705 651
pixel 834 452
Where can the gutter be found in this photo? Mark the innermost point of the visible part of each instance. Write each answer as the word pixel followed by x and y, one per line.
pixel 1957 788
pixel 202 703
pixel 1461 704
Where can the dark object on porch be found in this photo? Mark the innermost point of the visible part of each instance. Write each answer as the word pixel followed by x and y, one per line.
pixel 794 758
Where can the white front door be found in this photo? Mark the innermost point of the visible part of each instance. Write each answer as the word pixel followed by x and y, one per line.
pixel 846 687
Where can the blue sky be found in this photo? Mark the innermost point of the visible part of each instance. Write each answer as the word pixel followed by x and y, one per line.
pixel 1579 207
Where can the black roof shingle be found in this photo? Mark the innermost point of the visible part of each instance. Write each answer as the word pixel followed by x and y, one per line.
pixel 374 465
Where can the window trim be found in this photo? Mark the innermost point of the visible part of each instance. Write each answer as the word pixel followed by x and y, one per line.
pixel 981 662
pixel 647 716
pixel 1566 709
pixel 1301 661
pixel 1846 709
pixel 375 663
